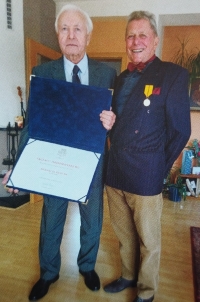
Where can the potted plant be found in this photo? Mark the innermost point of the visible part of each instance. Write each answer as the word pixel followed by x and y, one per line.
pixel 174 183
pixel 189 60
pixel 195 66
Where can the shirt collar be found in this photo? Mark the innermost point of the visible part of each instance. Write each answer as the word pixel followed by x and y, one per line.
pixel 83 65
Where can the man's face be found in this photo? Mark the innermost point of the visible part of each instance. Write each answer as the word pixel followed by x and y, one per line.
pixel 72 35
pixel 141 41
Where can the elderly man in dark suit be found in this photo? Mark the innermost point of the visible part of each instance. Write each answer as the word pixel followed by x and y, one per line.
pixel 73 27
pixel 152 127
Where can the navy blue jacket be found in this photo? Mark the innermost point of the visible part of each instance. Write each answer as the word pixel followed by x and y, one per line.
pixel 146 140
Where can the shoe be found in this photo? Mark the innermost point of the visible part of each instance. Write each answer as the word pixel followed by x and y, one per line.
pixel 40 289
pixel 119 284
pixel 138 299
pixel 91 280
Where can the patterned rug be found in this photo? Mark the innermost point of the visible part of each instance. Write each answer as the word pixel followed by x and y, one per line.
pixel 195 243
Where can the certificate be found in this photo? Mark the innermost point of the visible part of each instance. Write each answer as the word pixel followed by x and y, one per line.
pixel 65 139
pixel 55 170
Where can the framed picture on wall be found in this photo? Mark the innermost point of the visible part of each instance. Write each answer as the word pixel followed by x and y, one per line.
pixel 195 94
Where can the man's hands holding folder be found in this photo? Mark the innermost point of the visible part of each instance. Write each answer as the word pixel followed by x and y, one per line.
pixel 108 119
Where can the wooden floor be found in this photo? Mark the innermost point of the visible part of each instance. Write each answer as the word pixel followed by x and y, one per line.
pixel 19 268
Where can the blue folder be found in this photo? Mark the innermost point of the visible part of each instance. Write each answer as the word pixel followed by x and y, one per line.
pixel 68 113
pixel 63 121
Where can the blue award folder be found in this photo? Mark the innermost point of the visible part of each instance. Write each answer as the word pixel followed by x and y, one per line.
pixel 65 139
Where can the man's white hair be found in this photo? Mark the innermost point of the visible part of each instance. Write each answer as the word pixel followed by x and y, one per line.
pixel 72 7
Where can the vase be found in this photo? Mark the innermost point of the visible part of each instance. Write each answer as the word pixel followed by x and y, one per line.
pixel 174 194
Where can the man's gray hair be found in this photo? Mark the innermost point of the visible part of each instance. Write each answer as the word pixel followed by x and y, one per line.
pixel 138 15
pixel 72 7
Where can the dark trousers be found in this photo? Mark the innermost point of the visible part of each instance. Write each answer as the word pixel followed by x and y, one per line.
pixel 52 224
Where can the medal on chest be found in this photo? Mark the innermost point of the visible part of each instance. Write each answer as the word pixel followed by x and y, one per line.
pixel 148 89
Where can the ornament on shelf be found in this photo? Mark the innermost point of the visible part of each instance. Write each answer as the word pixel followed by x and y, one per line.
pixel 20 120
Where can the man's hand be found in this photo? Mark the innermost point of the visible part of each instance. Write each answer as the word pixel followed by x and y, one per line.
pixel 108 119
pixel 4 182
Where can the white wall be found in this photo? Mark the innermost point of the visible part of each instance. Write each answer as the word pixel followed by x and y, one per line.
pixel 12 70
pixel 125 7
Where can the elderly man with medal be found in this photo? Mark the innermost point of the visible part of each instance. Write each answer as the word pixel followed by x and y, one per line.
pixel 152 127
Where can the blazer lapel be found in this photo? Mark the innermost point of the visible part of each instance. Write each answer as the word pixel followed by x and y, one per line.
pixel 57 70
pixel 94 74
pixel 146 79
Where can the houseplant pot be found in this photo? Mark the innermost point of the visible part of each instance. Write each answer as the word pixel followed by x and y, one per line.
pixel 175 185
pixel 174 194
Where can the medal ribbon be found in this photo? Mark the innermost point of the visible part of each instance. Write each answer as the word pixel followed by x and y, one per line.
pixel 148 89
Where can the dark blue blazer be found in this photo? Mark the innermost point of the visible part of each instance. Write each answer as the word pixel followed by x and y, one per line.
pixel 146 140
